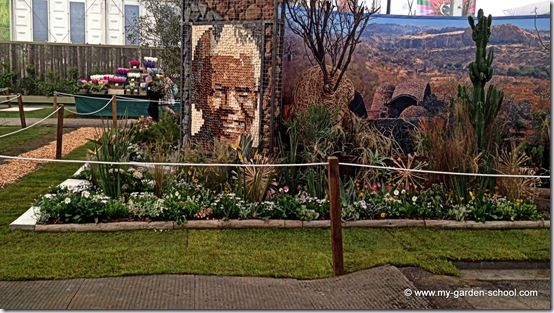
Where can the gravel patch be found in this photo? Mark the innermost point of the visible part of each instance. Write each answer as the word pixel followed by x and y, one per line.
pixel 13 170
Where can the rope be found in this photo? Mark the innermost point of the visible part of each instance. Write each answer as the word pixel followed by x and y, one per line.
pixel 91 113
pixel 127 99
pixel 144 164
pixel 440 172
pixel 56 93
pixel 119 98
pixel 9 100
pixel 22 129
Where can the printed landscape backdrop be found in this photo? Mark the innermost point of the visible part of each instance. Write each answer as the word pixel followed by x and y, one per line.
pixel 399 49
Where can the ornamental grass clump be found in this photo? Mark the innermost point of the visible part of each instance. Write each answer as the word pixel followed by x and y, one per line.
pixel 112 145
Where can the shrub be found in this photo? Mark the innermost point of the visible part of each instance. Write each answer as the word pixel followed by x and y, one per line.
pixel 78 205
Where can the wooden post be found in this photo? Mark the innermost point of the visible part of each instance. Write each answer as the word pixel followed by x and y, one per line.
pixel 21 111
pixel 114 111
pixel 336 219
pixel 55 101
pixel 59 133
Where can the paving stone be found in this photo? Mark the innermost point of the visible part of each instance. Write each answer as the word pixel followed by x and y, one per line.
pixel 377 288
pixel 38 295
pixel 162 292
pixel 246 293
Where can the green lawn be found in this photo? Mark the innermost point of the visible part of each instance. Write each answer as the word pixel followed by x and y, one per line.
pixel 26 140
pixel 35 114
pixel 297 253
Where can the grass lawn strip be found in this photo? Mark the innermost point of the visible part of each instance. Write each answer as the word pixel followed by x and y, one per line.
pixel 13 170
pixel 28 140
pixel 295 253
pixel 24 141
pixel 35 114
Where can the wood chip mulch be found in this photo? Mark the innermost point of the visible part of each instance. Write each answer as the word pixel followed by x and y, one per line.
pixel 13 170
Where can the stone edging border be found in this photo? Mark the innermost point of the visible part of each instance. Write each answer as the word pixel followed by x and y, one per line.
pixel 241 224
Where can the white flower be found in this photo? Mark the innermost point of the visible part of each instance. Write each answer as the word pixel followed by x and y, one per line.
pixel 396 192
pixel 49 196
pixel 67 201
pixel 137 175
pixel 414 199
pixel 85 194
pixel 403 191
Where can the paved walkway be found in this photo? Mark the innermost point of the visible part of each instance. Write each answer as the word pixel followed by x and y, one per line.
pixel 378 288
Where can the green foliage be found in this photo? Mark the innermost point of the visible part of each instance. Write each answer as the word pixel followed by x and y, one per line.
pixel 78 205
pixel 31 85
pixel 215 178
pixel 53 82
pixel 319 133
pixel 7 78
pixel 112 146
pixel 288 148
pixel 165 131
pixel 252 182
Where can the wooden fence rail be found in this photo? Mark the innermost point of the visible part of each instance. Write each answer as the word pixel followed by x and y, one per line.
pixel 60 57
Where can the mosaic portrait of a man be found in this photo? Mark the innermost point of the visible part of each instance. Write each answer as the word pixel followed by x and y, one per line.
pixel 226 69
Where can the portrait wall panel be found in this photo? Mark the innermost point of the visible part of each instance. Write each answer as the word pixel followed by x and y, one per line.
pixel 226 81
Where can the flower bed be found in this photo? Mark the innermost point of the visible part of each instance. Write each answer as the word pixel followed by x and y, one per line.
pixel 186 200
pixel 158 193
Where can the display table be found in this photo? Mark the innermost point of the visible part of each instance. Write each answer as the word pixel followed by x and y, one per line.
pixel 130 108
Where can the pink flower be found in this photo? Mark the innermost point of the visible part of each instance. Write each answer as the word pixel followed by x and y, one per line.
pixel 374 186
pixel 286 189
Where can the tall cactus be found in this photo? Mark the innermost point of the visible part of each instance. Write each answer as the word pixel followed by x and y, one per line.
pixel 482 107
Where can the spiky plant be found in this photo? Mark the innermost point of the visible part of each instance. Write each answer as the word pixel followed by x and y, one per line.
pixel 512 162
pixel 482 107
pixel 406 179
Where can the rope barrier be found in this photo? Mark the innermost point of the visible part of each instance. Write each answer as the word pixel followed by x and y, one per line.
pixel 147 164
pixel 441 172
pixel 127 99
pixel 23 129
pixel 9 100
pixel 119 98
pixel 91 113
pixel 57 93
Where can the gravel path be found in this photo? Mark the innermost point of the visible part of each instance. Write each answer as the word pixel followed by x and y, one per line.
pixel 13 170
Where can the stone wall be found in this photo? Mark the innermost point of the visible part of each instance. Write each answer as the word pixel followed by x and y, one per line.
pixel 232 69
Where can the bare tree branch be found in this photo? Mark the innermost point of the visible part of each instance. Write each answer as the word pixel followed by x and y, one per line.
pixel 331 32
pixel 541 42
